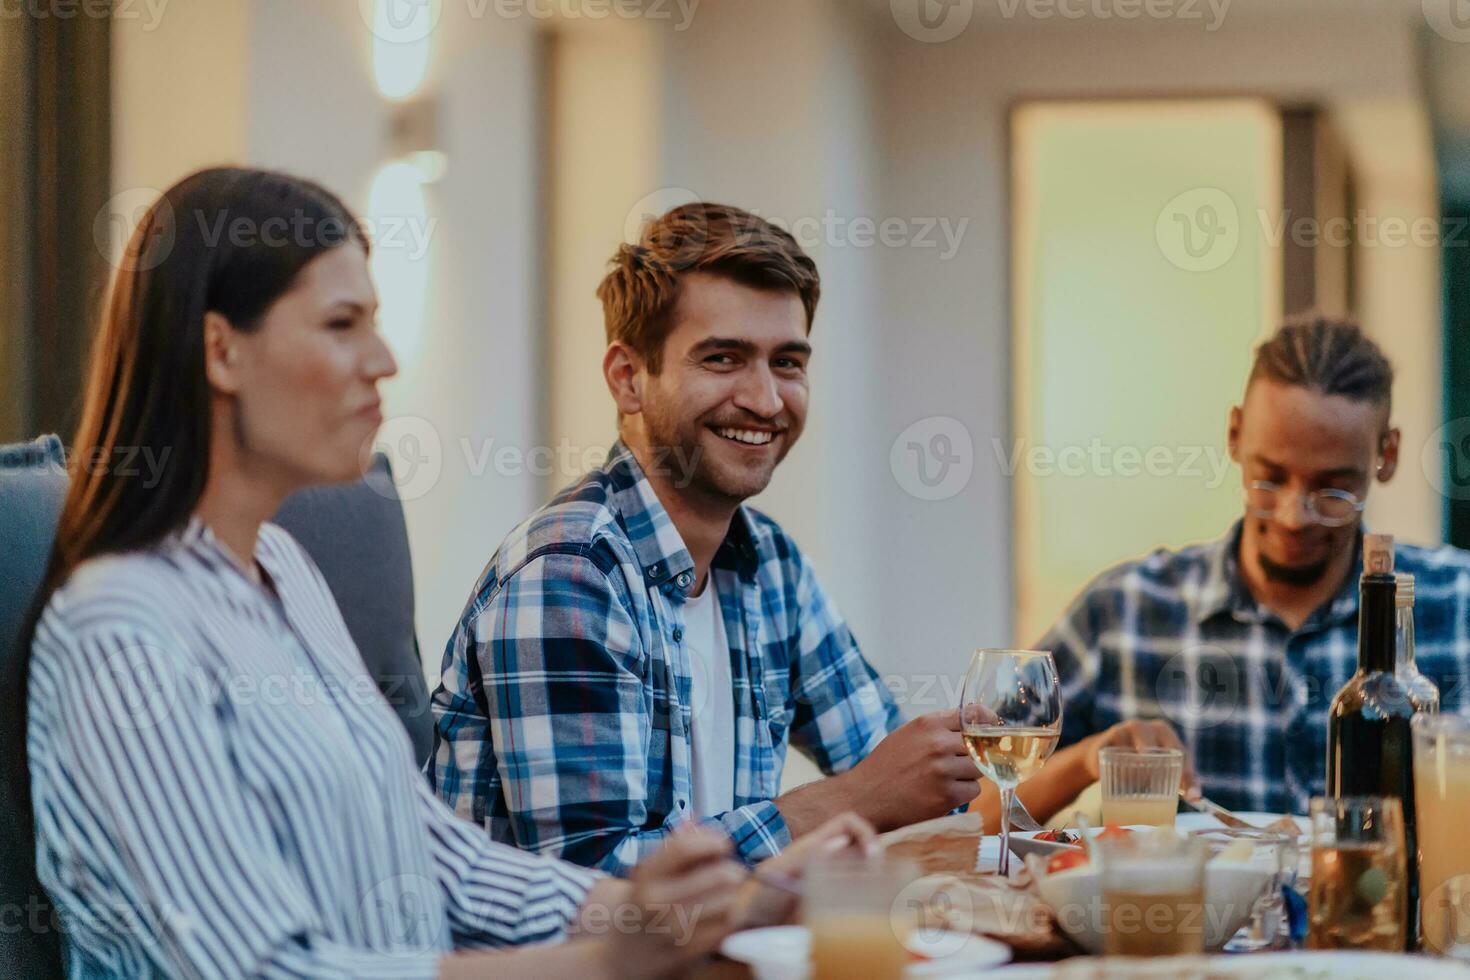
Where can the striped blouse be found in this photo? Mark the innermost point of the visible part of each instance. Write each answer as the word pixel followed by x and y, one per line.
pixel 221 791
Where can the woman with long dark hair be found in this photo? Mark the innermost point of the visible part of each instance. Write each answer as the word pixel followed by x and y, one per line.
pixel 218 789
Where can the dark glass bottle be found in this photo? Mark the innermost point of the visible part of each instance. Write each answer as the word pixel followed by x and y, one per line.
pixel 1369 748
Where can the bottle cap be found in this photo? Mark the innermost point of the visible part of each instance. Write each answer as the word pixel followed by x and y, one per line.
pixel 1405 584
pixel 1378 554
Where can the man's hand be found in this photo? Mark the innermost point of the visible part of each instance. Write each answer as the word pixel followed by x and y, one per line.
pixel 1138 734
pixel 920 771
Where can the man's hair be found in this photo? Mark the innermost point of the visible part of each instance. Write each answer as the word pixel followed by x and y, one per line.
pixel 1328 355
pixel 641 290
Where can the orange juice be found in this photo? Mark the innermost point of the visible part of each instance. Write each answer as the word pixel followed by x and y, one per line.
pixel 856 945
pixel 1155 811
pixel 1442 804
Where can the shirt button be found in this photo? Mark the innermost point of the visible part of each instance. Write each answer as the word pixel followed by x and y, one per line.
pixel 684 579
pixel 678 635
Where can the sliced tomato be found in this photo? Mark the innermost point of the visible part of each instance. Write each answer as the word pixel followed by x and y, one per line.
pixel 1064 860
pixel 1112 831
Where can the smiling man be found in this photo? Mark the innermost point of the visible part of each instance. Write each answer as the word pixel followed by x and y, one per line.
pixel 642 651
pixel 1241 643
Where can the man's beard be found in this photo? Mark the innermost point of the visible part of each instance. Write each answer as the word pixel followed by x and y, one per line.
pixel 1299 576
pixel 700 476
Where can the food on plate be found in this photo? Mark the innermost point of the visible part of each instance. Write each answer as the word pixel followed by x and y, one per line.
pixel 1059 837
pixel 1065 860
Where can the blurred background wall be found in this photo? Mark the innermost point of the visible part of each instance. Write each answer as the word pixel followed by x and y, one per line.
pixel 988 187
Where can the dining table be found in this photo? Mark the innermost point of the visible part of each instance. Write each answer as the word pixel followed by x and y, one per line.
pixel 1010 911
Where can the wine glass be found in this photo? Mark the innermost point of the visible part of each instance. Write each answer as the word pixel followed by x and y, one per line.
pixel 1011 718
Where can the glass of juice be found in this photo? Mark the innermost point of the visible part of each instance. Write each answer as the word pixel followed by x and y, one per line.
pixel 1357 897
pixel 1441 805
pixel 1140 786
pixel 1153 894
pixel 853 908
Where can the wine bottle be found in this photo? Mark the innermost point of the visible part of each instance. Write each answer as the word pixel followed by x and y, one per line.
pixel 1423 692
pixel 1369 748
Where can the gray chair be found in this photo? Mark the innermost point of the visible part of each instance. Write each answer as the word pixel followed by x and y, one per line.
pixel 32 484
pixel 356 535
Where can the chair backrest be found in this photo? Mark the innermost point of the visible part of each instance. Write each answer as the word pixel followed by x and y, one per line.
pixel 32 485
pixel 355 533
pixel 357 536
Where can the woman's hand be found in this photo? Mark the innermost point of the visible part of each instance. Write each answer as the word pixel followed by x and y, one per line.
pixel 675 907
pixel 762 904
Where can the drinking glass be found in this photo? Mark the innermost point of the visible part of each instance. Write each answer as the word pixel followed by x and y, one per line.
pixel 1441 802
pixel 851 907
pixel 1140 786
pixel 1011 717
pixel 1153 888
pixel 1357 896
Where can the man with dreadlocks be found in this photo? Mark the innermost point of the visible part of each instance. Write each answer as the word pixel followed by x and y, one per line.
pixel 1239 644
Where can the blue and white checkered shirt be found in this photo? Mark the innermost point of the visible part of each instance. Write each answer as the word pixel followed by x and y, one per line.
pixel 1177 635
pixel 562 722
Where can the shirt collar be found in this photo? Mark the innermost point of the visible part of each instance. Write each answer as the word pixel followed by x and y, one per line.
pixel 1224 589
pixel 656 541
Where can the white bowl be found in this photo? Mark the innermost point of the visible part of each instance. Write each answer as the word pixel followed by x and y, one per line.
pixel 1231 891
pixel 781 953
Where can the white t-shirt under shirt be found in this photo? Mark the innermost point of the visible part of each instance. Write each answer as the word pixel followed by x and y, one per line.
pixel 712 699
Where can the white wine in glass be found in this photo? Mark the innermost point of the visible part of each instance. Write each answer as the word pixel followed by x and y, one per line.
pixel 1011 718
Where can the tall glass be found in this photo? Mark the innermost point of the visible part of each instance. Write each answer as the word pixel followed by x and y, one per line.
pixel 851 907
pixel 1153 893
pixel 1140 786
pixel 1442 803
pixel 1011 718
pixel 1358 893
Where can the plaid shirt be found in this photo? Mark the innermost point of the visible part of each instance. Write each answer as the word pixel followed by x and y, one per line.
pixel 562 722
pixel 1177 635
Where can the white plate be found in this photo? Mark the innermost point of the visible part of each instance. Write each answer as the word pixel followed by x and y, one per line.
pixel 780 953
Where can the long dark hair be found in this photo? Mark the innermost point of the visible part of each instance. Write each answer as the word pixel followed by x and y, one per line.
pixel 227 240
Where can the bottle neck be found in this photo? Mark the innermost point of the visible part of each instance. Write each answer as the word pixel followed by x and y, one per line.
pixel 1376 623
pixel 1404 637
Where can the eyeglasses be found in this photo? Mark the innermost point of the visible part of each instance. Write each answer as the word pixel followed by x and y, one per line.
pixel 1330 508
